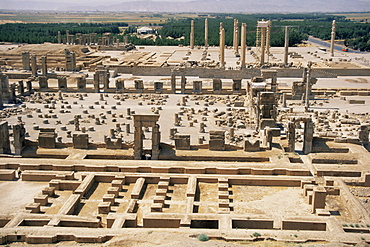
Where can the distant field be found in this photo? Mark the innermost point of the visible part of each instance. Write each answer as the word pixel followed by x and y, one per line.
pixel 57 17
pixel 356 16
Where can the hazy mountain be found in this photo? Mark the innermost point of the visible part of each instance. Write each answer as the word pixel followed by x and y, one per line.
pixel 220 6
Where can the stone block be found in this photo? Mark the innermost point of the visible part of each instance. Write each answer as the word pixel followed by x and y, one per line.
pixel 81 141
pixel 104 207
pixel 41 199
pixel 109 198
pixel 34 207
pixel 113 191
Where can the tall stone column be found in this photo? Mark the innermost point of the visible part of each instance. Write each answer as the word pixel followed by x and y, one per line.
pixel 308 87
pixel 263 45
pixel 173 81
pixel 308 137
pixel 34 64
pixel 67 37
pixel 286 45
pixel 183 82
pixel 222 46
pixel 156 139
pixel 206 32
pixel 138 141
pixel 291 136
pixel 332 39
pixel 243 45
pixel 26 61
pixel 59 38
pixel 44 65
pixel 4 138
pixel 236 36
pixel 192 35
pixel 268 37
pixel 20 87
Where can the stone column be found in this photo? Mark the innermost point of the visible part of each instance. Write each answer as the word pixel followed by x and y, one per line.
pixel 12 95
pixel 237 86
pixel 236 36
pixel 263 45
pixel 81 83
pixel 268 36
pixel 156 139
pixel 291 136
pixel 286 45
pixel 243 46
pixel 183 82
pixel 173 81
pixel 44 65
pixel 284 100
pixel 34 64
pixel 192 35
pixel 20 87
pixel 67 37
pixel 308 87
pixel 222 47
pixel 26 61
pixel 1 96
pixel 59 38
pixel 332 38
pixel 29 87
pixel 4 138
pixel 19 135
pixel 308 137
pixel 267 138
pixel 206 32
pixel 364 134
pixel 138 141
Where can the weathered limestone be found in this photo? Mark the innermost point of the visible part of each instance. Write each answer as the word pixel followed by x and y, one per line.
pixel 19 134
pixel 236 36
pixel 158 87
pixel 59 38
pixel 4 138
pixel 140 122
pixel 308 137
pixel 318 198
pixel 192 34
pixel 101 76
pixel 20 87
pixel 4 86
pixel 251 146
pixel 34 64
pixel 26 61
pixel 182 142
pixel 197 87
pixel 217 86
pixel 222 46
pixel 364 134
pixel 237 86
pixel 44 65
pixel 70 60
pixel 120 85
pixel 286 45
pixel 217 140
pixel 43 82
pixel 206 32
pixel 243 54
pixel 81 141
pixel 62 83
pixel 81 83
pixel 139 86
pixel 173 80
pixel 183 80
pixel 332 38
pixel 47 137
pixel 291 136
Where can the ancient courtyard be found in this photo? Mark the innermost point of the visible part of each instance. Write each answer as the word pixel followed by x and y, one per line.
pixel 101 139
